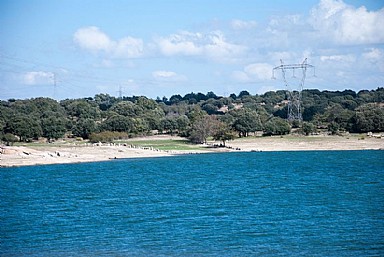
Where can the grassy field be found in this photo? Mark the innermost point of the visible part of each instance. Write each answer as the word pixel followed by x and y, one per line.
pixel 164 144
pixel 181 144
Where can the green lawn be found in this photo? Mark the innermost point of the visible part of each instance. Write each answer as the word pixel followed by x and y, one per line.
pixel 165 144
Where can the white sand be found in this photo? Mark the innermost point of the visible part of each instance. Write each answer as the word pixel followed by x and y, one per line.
pixel 308 143
pixel 21 156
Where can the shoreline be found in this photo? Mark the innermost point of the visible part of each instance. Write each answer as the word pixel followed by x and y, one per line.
pixel 30 155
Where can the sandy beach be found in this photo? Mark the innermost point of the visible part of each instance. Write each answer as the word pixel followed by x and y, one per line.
pixel 70 153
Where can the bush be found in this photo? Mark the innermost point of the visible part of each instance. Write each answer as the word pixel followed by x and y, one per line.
pixel 308 128
pixel 277 126
pixel 107 136
pixel 9 139
pixel 333 128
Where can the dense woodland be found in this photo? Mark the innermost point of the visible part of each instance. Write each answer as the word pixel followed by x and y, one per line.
pixel 196 116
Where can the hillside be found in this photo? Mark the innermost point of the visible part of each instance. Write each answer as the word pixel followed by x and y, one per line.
pixel 195 115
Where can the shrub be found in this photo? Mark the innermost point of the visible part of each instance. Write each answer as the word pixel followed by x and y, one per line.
pixel 107 136
pixel 277 126
pixel 9 139
pixel 308 128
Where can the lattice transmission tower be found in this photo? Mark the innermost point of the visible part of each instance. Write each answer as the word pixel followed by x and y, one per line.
pixel 294 95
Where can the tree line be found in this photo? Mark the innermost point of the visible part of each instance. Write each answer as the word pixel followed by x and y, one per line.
pixel 196 116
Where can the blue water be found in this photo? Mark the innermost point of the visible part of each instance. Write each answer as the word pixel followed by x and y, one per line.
pixel 325 203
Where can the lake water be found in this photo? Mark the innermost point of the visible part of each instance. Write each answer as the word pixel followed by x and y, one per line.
pixel 316 203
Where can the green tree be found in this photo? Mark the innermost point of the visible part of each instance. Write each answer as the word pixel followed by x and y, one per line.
pixel 80 108
pixel 210 108
pixel 246 121
pixel 174 124
pixel 153 118
pixel 84 127
pixel 26 128
pixel 333 127
pixel 243 93
pixel 118 123
pixel 168 124
pixel 211 95
pixel 128 109
pixel 9 139
pixel 195 113
pixel 104 101
pixel 368 118
pixel 182 122
pixel 53 128
pixel 203 128
pixel 223 133
pixel 277 126
pixel 308 128
pixel 337 114
pixel 175 99
pixel 140 126
pixel 145 103
pixel 43 104
pixel 107 136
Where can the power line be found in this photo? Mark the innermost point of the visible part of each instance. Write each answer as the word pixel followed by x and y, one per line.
pixel 294 95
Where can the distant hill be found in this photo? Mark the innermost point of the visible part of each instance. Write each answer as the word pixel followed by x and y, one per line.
pixel 194 115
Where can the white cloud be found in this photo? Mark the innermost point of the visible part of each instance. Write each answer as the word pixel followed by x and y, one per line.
pixel 375 58
pixel 91 38
pixel 374 55
pixel 184 43
pixel 212 45
pixel 107 63
pixel 162 75
pixel 128 47
pixel 240 76
pixel 38 78
pixel 219 49
pixel 260 71
pixel 253 72
pixel 275 57
pixel 242 25
pixel 338 58
pixel 94 40
pixel 345 24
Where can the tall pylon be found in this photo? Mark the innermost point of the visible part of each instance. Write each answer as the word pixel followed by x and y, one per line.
pixel 294 95
pixel 120 92
pixel 54 85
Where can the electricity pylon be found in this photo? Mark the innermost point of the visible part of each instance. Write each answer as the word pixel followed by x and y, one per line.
pixel 294 96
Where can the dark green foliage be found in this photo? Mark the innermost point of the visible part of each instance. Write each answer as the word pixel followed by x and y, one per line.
pixel 84 127
pixel 107 136
pixel 276 126
pixel 203 128
pixel 243 93
pixel 368 118
pixel 175 99
pixel 52 127
pixel 333 128
pixel 211 95
pixel 118 123
pixel 174 124
pixel 223 133
pixel 9 139
pixel 246 121
pixel 80 109
pixel 210 108
pixel 308 128
pixel 127 109
pixel 23 126
pixel 104 101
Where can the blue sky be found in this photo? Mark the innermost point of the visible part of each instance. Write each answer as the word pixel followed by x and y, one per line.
pixel 74 49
